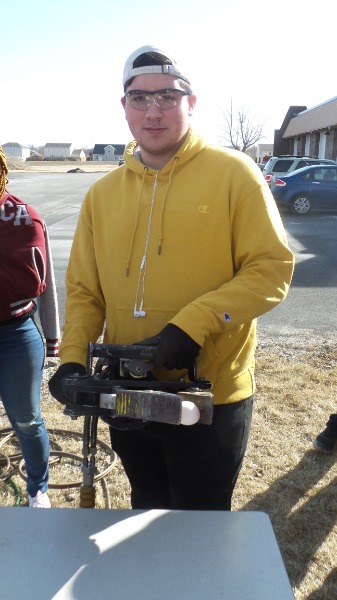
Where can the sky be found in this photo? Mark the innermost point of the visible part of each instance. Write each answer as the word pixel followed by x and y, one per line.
pixel 62 62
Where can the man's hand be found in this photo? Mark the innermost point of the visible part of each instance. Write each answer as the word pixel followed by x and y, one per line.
pixel 176 349
pixel 56 387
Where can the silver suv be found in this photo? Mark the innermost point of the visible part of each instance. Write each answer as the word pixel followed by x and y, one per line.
pixel 283 165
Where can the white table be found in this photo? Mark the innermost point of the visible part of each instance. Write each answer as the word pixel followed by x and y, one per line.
pixel 92 554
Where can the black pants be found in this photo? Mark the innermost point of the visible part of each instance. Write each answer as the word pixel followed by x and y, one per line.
pixel 186 467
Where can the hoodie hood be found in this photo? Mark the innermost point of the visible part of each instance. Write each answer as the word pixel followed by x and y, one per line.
pixel 191 146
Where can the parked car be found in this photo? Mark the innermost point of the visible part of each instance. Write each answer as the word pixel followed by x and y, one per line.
pixel 307 189
pixel 277 166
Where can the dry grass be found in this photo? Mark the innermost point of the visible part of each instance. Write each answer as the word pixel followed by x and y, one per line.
pixel 61 166
pixel 282 474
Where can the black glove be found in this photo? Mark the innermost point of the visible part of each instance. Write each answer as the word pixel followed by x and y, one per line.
pixel 56 387
pixel 176 349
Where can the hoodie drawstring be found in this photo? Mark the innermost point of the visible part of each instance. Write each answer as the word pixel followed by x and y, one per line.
pixel 138 310
pixel 127 264
pixel 163 206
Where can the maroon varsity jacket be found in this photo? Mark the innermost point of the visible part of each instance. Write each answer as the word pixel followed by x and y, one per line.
pixel 26 269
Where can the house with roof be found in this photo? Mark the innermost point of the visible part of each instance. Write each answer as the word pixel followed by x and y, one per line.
pixel 108 152
pixel 260 153
pixel 309 132
pixel 15 150
pixel 57 150
pixel 79 154
pixel 264 152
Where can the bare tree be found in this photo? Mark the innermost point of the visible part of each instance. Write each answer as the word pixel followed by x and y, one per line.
pixel 240 129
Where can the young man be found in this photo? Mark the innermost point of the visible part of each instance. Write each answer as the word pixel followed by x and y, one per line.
pixel 182 244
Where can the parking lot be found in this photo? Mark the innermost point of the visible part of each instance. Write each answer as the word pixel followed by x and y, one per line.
pixel 310 307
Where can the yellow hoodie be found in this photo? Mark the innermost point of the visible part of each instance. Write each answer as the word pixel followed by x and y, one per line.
pixel 199 244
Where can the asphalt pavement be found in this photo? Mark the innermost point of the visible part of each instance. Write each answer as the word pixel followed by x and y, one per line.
pixel 57 197
pixel 310 307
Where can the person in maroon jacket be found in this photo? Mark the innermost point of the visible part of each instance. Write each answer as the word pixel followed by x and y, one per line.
pixel 27 285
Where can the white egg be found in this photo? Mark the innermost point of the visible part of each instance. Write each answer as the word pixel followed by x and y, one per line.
pixel 190 413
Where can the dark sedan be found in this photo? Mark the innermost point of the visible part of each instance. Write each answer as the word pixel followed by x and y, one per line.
pixel 310 188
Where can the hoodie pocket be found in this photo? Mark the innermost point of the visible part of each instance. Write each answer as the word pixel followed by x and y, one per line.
pixel 123 327
pixel 208 361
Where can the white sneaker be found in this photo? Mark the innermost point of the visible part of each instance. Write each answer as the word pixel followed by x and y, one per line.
pixel 41 500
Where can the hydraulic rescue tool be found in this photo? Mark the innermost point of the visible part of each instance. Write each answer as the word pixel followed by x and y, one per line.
pixel 120 388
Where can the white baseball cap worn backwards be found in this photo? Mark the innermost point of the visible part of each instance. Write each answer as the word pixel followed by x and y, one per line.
pixel 169 65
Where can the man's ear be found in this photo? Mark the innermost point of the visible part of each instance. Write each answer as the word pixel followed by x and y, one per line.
pixel 191 104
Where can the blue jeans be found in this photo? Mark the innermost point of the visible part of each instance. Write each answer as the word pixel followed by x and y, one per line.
pixel 21 369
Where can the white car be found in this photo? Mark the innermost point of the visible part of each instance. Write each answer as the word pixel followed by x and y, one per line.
pixel 277 166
